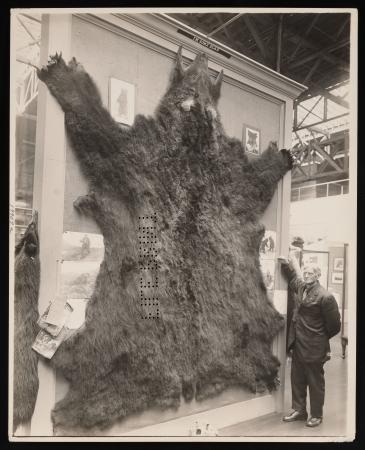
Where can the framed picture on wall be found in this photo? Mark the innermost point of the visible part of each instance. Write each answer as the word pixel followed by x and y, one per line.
pixel 121 101
pixel 251 139
pixel 337 277
pixel 268 245
pixel 338 264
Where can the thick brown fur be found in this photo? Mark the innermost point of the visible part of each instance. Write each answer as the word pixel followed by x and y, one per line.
pixel 217 324
pixel 27 278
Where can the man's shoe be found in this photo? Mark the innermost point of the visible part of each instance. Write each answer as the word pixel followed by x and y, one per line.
pixel 314 422
pixel 295 415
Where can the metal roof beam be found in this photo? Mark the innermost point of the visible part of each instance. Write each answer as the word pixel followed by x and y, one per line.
pixel 325 53
pixel 309 111
pixel 302 40
pixel 342 27
pixel 322 167
pixel 279 43
pixel 325 93
pixel 334 98
pixel 320 122
pixel 318 90
pixel 26 28
pixel 325 155
pixel 300 169
pixel 224 25
pixel 28 16
pixel 293 36
pixel 312 70
pixel 299 180
pixel 255 34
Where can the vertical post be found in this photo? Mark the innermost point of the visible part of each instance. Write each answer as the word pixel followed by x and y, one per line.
pixel 346 150
pixel 282 228
pixel 295 114
pixel 49 183
pixel 278 52
pixel 344 289
pixel 12 178
pixel 325 108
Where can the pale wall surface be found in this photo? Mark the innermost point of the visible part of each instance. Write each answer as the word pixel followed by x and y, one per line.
pixel 328 217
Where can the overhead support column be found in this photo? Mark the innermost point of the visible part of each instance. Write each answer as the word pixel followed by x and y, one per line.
pixel 255 34
pixel 49 186
pixel 278 52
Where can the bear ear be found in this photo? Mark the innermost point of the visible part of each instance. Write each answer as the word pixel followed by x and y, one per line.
pixel 179 71
pixel 216 87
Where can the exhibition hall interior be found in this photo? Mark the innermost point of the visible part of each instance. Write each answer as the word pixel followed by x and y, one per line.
pixel 161 163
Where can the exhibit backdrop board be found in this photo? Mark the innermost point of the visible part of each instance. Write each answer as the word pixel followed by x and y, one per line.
pixel 141 67
pixel 106 55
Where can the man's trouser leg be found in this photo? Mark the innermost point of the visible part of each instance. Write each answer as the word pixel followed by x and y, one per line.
pixel 315 376
pixel 298 384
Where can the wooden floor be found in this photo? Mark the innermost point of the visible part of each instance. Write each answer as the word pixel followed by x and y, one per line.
pixel 334 415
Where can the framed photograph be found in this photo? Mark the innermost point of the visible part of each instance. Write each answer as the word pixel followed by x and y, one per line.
pixel 338 264
pixel 267 267
pixel 252 139
pixel 121 101
pixel 337 277
pixel 268 245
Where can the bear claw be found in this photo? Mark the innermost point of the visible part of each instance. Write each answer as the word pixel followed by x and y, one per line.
pixel 288 156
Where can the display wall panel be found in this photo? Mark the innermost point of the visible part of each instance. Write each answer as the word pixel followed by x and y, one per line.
pixel 149 71
pixel 120 58
pixel 239 106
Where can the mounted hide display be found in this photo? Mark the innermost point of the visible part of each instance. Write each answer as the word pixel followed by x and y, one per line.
pixel 27 279
pixel 203 322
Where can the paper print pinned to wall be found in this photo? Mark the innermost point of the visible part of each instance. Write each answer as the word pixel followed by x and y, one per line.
pixel 78 279
pixel 337 277
pixel 121 101
pixel 251 139
pixel 338 264
pixel 268 245
pixel 82 254
pixel 77 319
pixel 268 272
pixel 55 316
pixel 71 319
pixel 47 345
pixel 82 246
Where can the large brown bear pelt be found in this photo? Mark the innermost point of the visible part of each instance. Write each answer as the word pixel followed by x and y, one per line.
pixel 27 278
pixel 216 324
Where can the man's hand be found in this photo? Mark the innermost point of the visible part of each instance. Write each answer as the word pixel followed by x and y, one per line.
pixel 283 260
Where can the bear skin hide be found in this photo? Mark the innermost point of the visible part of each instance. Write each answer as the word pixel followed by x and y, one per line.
pixel 216 324
pixel 27 279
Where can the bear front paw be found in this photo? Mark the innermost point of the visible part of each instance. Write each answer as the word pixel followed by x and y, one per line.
pixel 55 65
pixel 288 157
pixel 75 65
pixel 85 204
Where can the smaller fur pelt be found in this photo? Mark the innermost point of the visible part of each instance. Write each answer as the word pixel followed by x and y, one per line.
pixel 27 279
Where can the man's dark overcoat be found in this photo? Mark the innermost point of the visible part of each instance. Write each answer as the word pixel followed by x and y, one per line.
pixel 316 319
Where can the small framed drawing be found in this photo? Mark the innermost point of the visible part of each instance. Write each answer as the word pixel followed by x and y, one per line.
pixel 121 101
pixel 251 139
pixel 337 277
pixel 338 264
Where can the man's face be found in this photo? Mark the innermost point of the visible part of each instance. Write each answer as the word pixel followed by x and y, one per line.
pixel 309 275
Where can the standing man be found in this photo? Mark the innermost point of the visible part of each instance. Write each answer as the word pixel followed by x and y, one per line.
pixel 316 319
